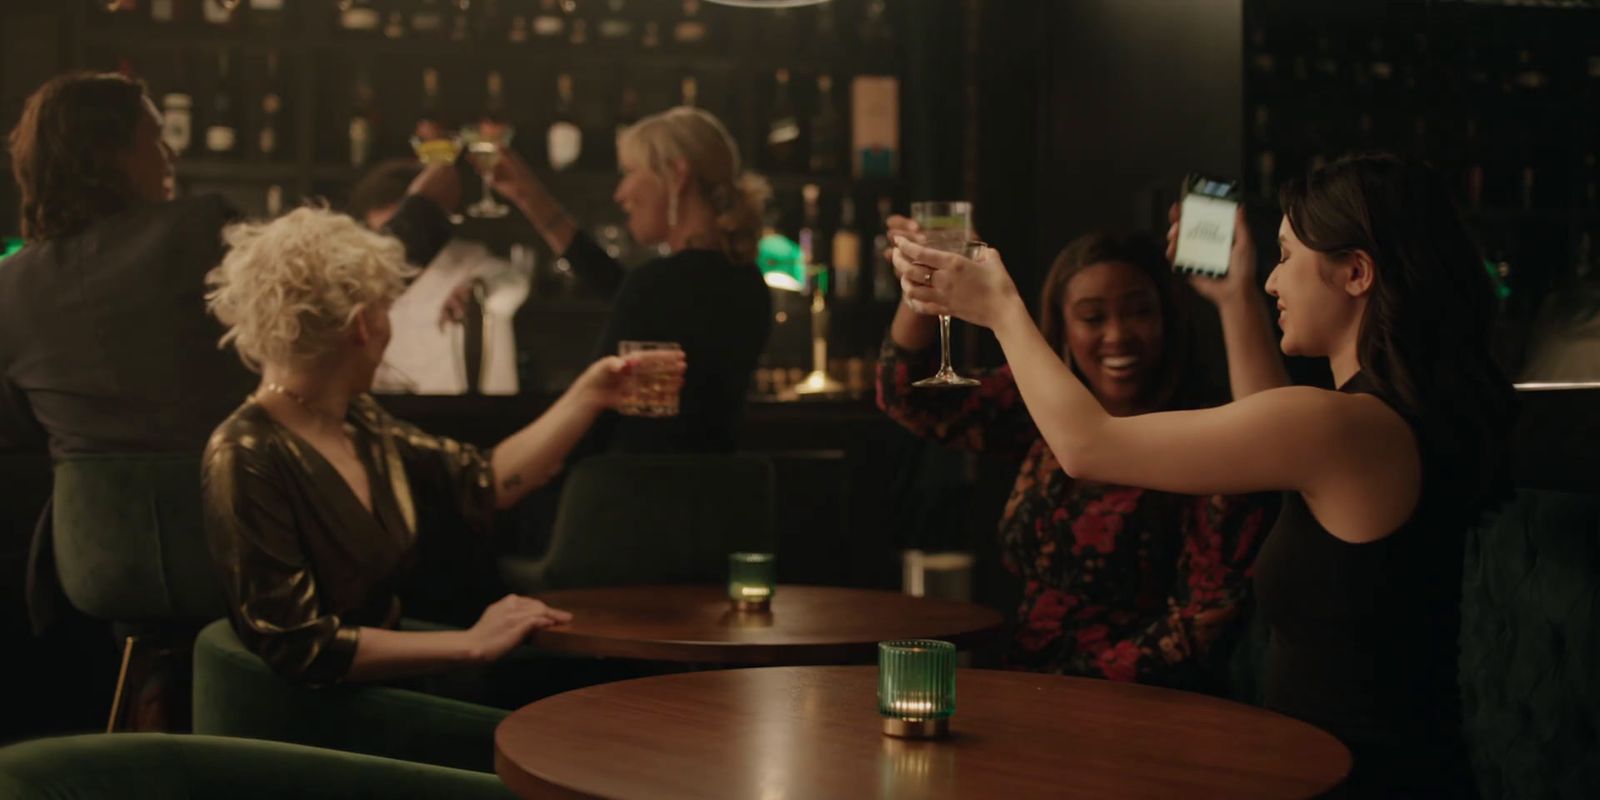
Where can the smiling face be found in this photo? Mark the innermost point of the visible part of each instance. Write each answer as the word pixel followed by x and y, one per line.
pixel 1114 333
pixel 1318 305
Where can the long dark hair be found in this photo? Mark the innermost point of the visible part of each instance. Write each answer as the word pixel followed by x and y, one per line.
pixel 1424 340
pixel 1175 384
pixel 66 149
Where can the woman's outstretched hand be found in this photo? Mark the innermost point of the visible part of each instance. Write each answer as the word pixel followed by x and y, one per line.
pixel 936 282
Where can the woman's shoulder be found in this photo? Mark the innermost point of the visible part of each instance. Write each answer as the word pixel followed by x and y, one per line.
pixel 248 429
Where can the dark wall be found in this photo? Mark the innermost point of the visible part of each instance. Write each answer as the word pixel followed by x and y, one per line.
pixel 1140 92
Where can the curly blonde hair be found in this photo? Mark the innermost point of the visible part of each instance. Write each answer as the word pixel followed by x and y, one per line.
pixel 289 287
pixel 738 198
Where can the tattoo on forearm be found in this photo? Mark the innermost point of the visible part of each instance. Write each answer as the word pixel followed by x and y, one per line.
pixel 512 482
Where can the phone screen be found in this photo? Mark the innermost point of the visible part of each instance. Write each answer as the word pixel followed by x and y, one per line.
pixel 1205 227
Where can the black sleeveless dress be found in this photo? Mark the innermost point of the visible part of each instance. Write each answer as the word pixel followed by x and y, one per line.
pixel 1364 637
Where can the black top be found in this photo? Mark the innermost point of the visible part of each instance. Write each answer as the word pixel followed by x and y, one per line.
pixel 105 343
pixel 718 310
pixel 1364 637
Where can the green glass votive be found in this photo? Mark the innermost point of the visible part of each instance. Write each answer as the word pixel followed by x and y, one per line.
pixel 752 580
pixel 916 687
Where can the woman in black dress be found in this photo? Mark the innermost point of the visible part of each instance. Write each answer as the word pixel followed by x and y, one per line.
pixel 1360 578
pixel 682 187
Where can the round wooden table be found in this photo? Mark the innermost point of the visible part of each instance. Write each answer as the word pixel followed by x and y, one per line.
pixel 807 624
pixel 803 732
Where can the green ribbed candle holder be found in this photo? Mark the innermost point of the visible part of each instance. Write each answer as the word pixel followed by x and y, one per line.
pixel 916 687
pixel 752 580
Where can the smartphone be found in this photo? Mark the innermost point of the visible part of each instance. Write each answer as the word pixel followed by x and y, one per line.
pixel 1205 229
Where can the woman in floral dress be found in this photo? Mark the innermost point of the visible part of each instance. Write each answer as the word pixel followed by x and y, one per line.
pixel 1118 582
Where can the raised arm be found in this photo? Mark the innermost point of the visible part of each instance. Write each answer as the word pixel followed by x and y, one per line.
pixel 1254 363
pixel 1348 453
pixel 589 261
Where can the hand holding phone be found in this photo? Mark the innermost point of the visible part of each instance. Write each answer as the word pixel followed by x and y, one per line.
pixel 1205 226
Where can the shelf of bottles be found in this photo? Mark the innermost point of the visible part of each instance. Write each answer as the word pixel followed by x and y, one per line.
pixel 269 101
pixel 1505 101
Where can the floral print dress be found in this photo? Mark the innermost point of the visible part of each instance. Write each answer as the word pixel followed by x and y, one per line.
pixel 1118 582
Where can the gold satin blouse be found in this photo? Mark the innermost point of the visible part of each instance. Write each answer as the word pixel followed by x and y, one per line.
pixel 303 561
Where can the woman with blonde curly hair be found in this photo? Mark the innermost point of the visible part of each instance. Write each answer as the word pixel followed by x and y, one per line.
pixel 313 492
pixel 682 187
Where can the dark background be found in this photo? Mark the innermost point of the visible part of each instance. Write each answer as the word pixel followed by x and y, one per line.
pixel 1056 118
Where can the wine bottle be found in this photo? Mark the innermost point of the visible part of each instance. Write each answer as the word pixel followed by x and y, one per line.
pixel 826 130
pixel 564 139
pixel 847 251
pixel 267 136
pixel 222 126
pixel 691 30
pixel 430 116
pixel 549 23
pixel 783 129
pixel 363 121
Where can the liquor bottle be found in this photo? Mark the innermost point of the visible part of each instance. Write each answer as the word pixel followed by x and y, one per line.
pixel 274 201
pixel 177 121
pixel 494 108
pixel 874 126
pixel 689 91
pixel 267 135
pixel 549 23
pixel 266 15
pixel 363 121
pixel 627 109
pixel 811 218
pixel 826 130
pixel 221 13
pixel 491 22
pixel 396 27
pixel 461 21
pixel 564 139
pixel 875 30
pixel 580 33
pixel 518 32
pixel 615 26
pixel 430 116
pixel 651 39
pixel 359 17
pixel 428 19
pixel 691 30
pixel 885 287
pixel 847 252
pixel 164 12
pixel 222 126
pixel 783 129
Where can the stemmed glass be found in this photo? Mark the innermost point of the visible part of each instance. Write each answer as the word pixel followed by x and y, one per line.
pixel 438 147
pixel 483 147
pixel 946 226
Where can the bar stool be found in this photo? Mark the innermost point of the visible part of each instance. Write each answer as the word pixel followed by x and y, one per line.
pixel 130 546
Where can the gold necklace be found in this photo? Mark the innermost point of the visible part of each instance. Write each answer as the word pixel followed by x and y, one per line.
pixel 278 388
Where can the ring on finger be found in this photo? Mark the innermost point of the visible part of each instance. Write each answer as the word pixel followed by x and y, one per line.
pixel 927 278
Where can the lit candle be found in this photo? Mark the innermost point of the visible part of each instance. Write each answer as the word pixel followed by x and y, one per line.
pixel 916 687
pixel 751 581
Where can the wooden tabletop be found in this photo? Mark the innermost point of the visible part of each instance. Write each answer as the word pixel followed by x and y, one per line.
pixel 809 732
pixel 807 624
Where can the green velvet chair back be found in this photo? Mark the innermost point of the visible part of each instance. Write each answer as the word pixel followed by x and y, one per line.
pixel 129 540
pixel 237 694
pixel 667 519
pixel 159 766
pixel 1530 648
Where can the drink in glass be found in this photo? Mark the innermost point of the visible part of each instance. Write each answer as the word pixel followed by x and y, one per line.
pixel 483 147
pixel 946 226
pixel 651 388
